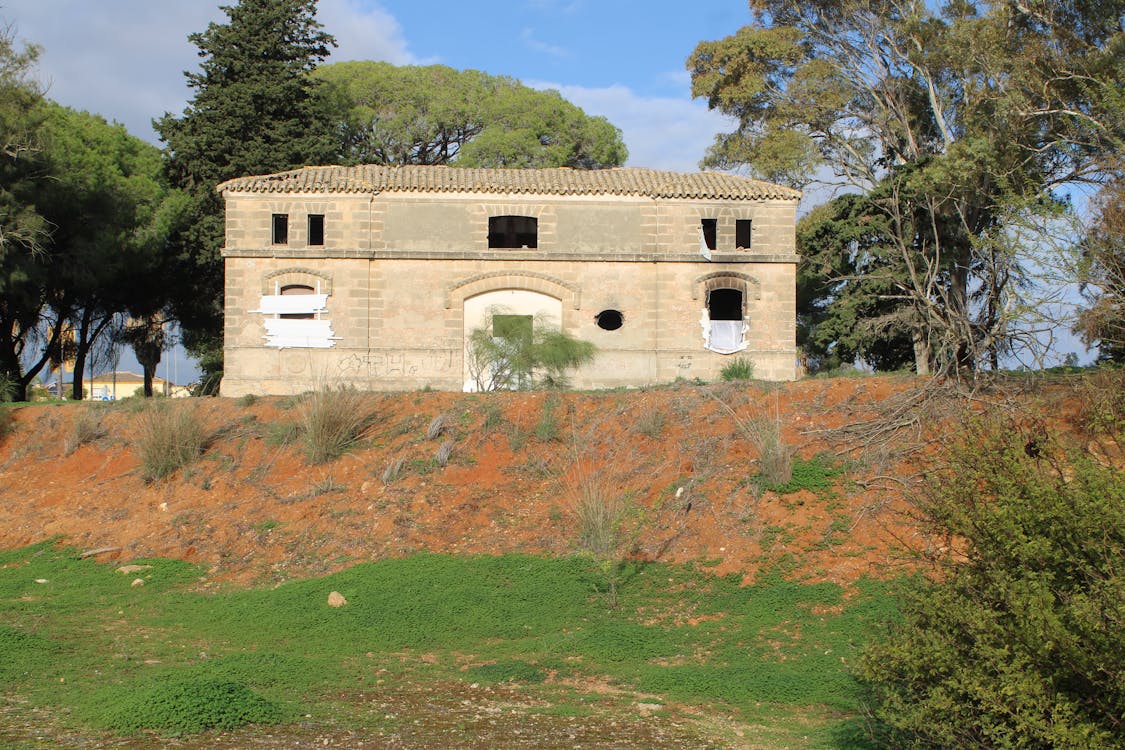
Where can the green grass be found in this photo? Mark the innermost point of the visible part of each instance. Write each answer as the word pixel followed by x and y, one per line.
pixel 87 644
pixel 815 474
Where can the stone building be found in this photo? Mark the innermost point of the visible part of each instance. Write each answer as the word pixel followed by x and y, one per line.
pixel 374 276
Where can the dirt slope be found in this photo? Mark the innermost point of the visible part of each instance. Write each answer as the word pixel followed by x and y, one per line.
pixel 253 509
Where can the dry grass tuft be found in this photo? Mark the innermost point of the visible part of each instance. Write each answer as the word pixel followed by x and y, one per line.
pixel 169 437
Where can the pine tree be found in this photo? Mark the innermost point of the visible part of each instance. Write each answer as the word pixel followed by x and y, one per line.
pixel 256 110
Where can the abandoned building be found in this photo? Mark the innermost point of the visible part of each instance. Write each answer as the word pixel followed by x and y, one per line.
pixel 375 276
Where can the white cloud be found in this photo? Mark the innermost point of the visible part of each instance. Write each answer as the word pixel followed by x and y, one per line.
pixel 660 132
pixel 365 33
pixel 125 59
pixel 536 45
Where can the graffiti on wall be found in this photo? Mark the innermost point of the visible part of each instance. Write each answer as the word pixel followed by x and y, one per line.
pixel 392 364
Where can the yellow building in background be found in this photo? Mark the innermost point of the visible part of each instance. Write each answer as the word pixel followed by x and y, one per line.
pixel 111 386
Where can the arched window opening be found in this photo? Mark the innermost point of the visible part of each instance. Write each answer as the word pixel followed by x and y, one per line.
pixel 723 321
pixel 295 290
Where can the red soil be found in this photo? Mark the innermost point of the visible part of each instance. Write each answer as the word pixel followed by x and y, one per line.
pixel 253 512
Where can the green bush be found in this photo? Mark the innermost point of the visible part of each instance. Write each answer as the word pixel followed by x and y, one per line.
pixel 169 437
pixel 185 706
pixel 814 474
pixel 332 421
pixel 738 369
pixel 775 456
pixel 9 386
pixel 508 670
pixel 1015 640
pixel 516 353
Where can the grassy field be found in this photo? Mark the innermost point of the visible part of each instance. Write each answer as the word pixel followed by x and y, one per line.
pixel 699 660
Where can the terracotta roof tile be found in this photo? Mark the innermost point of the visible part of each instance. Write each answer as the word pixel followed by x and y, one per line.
pixel 651 183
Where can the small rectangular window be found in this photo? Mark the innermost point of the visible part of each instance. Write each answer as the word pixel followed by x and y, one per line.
pixel 710 229
pixel 513 231
pixel 742 233
pixel 281 229
pixel 316 229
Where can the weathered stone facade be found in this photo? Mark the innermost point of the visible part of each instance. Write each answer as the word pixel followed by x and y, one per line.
pixel 374 276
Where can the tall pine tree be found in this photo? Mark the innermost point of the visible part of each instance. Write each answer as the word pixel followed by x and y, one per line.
pixel 256 110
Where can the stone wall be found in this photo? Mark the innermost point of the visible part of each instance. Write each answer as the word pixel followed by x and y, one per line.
pixel 399 268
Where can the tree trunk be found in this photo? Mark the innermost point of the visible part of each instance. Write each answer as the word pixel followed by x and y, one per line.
pixel 921 353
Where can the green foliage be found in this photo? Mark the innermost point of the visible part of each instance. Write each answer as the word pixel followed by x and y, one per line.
pixel 955 126
pixel 437 115
pixel 547 428
pixel 179 707
pixel 814 474
pixel 280 434
pixel 847 308
pixel 775 456
pixel 25 654
pixel 169 437
pixel 509 355
pixel 1101 272
pixel 332 421
pixel 1102 402
pixel 508 670
pixel 23 230
pixel 9 387
pixel 256 110
pixel 110 213
pixel 1015 640
pixel 737 369
pixel 280 651
pixel 6 421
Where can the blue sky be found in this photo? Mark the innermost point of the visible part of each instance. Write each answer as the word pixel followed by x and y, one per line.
pixel 124 59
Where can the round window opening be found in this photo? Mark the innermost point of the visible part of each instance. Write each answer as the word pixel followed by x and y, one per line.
pixel 609 320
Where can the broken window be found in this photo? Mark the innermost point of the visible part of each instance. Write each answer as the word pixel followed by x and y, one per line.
pixel 709 229
pixel 513 231
pixel 316 229
pixel 281 229
pixel 724 327
pixel 742 233
pixel 295 318
pixel 609 320
pixel 296 290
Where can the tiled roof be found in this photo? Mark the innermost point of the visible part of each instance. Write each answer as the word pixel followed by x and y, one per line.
pixel 651 183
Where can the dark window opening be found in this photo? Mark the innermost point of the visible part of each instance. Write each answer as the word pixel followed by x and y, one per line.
pixel 742 233
pixel 710 232
pixel 293 290
pixel 513 231
pixel 281 229
pixel 316 229
pixel 609 320
pixel 724 304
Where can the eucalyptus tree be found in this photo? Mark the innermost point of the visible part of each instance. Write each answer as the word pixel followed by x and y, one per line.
pixel 957 122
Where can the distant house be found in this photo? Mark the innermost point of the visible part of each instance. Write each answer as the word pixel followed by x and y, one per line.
pixel 375 276
pixel 111 386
